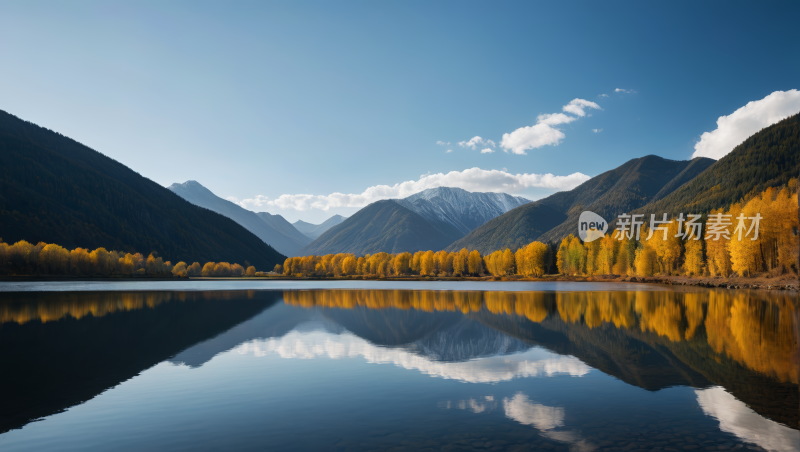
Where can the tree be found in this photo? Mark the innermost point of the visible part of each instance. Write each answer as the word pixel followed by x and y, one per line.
pixel 693 263
pixel 349 265
pixel 646 261
pixel 179 269
pixel 474 263
pixel 426 264
pixel 208 269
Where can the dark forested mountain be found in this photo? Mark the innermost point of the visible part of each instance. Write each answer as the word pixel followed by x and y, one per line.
pixel 513 229
pixel 315 230
pixel 623 189
pixel 769 158
pixel 381 226
pixel 289 242
pixel 431 219
pixel 56 190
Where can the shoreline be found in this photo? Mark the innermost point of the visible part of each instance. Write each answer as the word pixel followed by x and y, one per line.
pixel 780 283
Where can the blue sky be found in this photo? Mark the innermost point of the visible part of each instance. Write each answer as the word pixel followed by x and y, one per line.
pixel 315 98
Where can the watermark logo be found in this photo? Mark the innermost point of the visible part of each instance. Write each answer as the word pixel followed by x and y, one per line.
pixel 591 226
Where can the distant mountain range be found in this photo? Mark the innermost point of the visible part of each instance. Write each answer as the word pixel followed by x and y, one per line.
pixel 56 190
pixel 272 229
pixel 431 219
pixel 315 230
pixel 622 189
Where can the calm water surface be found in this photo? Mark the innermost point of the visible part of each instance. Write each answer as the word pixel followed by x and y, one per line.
pixel 396 366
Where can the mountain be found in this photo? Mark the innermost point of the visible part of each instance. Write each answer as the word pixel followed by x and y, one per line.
pixel 430 220
pixel 56 190
pixel 280 224
pixel 460 209
pixel 769 158
pixel 513 229
pixel 315 230
pixel 381 226
pixel 272 229
pixel 623 189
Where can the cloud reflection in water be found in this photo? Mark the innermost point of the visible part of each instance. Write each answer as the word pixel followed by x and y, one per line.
pixel 308 345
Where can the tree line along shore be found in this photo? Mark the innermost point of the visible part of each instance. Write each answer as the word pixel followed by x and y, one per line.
pixel 668 254
pixel 670 251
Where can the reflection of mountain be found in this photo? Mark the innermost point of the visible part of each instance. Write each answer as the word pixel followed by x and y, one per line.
pixel 605 348
pixel 467 340
pixel 273 322
pixel 744 341
pixel 70 361
pixel 392 327
pixel 490 369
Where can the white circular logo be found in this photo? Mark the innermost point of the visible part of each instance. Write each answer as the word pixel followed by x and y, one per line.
pixel 591 226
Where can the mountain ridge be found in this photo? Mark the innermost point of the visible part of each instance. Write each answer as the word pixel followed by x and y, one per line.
pixel 440 217
pixel 54 189
pixel 315 230
pixel 286 243
pixel 629 186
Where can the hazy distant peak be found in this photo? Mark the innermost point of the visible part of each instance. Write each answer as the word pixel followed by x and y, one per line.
pixel 190 186
pixel 315 230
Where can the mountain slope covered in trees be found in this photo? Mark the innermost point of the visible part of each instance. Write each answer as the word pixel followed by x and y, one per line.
pixel 381 226
pixel 56 190
pixel 769 158
pixel 288 243
pixel 624 188
pixel 315 230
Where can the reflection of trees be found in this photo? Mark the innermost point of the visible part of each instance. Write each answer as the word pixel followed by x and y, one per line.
pixel 752 328
pixel 57 364
pixel 77 305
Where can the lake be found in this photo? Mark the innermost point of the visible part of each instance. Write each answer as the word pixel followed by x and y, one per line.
pixel 371 365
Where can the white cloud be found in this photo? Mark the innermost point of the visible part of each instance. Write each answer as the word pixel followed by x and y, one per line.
pixel 603 95
pixel 577 106
pixel 476 141
pixel 449 151
pixel 531 137
pixel 543 133
pixel 733 129
pixel 487 151
pixel 737 418
pixel 443 143
pixel 597 130
pixel 554 119
pixel 628 91
pixel 472 179
pixel 472 143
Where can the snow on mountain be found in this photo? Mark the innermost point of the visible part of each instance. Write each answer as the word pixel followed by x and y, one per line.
pixel 447 207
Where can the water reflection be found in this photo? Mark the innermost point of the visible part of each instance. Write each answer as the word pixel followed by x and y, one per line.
pixel 736 350
pixel 62 349
pixel 735 417
pixel 308 345
pixel 756 329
